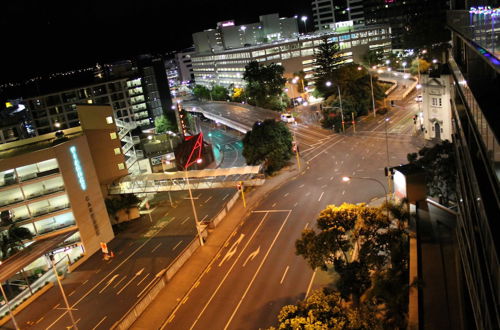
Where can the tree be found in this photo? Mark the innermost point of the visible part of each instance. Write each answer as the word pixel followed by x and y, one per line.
pixel 269 142
pixel 201 92
pixel 302 81
pixel 265 85
pixel 11 240
pixel 220 93
pixel 373 57
pixel 326 309
pixel 163 124
pixel 438 163
pixel 238 94
pixel 419 63
pixel 327 59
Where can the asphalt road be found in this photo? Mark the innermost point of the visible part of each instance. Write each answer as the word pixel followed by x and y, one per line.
pixel 257 272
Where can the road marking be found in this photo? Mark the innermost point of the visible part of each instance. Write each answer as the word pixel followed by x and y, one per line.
pixel 343 192
pixel 109 282
pixel 258 270
pixel 177 245
pixel 320 178
pixel 310 284
pixel 130 281
pixel 55 306
pixel 321 196
pixel 296 203
pixel 323 186
pixel 284 274
pixel 286 194
pixel 102 320
pixel 206 216
pixel 97 271
pixel 302 185
pixel 209 198
pixel 227 195
pixel 331 178
pixel 130 255
pixel 156 247
pixel 184 220
pixel 85 282
pixel 308 193
pixel 196 284
pixel 40 319
pixel 72 293
pixel 143 279
pixel 252 255
pixel 160 273
pixel 225 276
pixel 232 250
pixel 119 281
pixel 184 300
pixel 274 205
pixel 307 225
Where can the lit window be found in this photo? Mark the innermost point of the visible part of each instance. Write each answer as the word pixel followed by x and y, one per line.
pixel 109 120
pixel 112 136
pixel 121 166
pixel 118 151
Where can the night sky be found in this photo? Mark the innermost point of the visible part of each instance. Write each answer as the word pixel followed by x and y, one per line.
pixel 40 37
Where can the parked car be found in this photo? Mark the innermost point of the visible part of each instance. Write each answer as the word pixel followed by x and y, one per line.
pixel 287 118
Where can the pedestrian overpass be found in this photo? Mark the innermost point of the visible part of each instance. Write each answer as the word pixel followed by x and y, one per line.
pixel 182 180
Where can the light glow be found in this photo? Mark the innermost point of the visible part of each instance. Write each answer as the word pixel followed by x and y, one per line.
pixel 78 168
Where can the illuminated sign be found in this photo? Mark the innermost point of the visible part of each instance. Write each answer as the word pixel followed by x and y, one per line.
pixel 78 168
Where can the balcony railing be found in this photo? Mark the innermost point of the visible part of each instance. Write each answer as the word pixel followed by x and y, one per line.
pixel 43 192
pixel 55 227
pixel 36 175
pixel 49 209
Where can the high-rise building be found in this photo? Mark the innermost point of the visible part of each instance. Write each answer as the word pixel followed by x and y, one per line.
pixel 227 35
pixel 185 67
pixel 475 67
pixel 328 12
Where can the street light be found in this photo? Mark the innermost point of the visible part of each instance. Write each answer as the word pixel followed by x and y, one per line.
pixel 304 19
pixel 404 66
pixel 328 84
pixel 198 161
pixel 348 178
pixel 371 86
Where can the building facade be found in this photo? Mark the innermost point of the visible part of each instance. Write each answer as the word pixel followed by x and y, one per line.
pixel 227 35
pixel 436 104
pixel 185 67
pixel 227 67
pixel 475 67
pixel 328 12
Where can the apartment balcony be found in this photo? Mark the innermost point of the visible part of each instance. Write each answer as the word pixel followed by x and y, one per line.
pixel 55 227
pixel 44 192
pixel 50 209
pixel 36 175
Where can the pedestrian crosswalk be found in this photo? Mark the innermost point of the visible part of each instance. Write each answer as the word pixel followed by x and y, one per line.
pixel 308 136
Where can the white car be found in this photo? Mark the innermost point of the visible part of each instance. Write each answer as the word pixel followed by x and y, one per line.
pixel 418 98
pixel 287 118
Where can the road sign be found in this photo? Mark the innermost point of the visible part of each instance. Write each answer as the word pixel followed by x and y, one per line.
pixel 104 247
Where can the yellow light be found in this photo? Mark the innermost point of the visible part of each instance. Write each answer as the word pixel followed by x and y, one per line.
pixel 8 104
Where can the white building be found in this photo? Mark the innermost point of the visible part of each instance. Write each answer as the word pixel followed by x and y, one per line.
pixel 227 35
pixel 328 12
pixel 436 104
pixel 227 67
pixel 184 65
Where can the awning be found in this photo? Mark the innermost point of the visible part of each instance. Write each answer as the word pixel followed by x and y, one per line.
pixel 23 258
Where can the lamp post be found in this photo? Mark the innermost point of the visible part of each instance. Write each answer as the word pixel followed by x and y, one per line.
pixel 199 160
pixel 404 66
pixel 304 19
pixel 293 82
pixel 348 178
pixel 8 306
pixel 328 84
pixel 386 119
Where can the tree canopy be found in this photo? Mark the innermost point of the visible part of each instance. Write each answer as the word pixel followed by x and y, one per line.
pixel 164 124
pixel 269 142
pixel 11 240
pixel 438 163
pixel 201 92
pixel 265 85
pixel 327 59
pixel 368 249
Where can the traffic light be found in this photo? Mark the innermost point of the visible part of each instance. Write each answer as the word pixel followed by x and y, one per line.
pixel 414 119
pixel 294 146
pixel 239 185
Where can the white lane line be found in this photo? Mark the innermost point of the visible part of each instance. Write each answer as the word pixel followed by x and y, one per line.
pixel 286 194
pixel 72 293
pixel 227 195
pixel 206 216
pixel 184 220
pixel 258 270
pixel 296 203
pixel 321 196
pixel 130 281
pixel 55 306
pixel 284 274
pixel 323 186
pixel 124 277
pixel 153 250
pixel 310 284
pixel 102 320
pixel 225 276
pixel 307 225
pixel 85 282
pixel 308 193
pixel 343 192
pixel 109 282
pixel 177 245
pixel 274 205
pixel 143 279
pixel 331 178
pixel 320 178
pixel 209 198
pixel 302 185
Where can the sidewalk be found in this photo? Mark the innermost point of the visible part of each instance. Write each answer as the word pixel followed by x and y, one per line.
pixel 166 301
